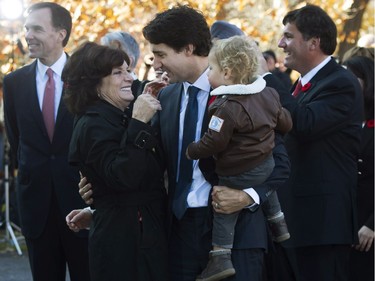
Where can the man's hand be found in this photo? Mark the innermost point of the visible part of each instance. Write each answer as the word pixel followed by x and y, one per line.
pixel 79 219
pixel 227 200
pixel 85 190
pixel 366 238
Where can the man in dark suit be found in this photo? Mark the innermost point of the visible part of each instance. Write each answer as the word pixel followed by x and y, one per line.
pixel 319 197
pixel 46 184
pixel 180 41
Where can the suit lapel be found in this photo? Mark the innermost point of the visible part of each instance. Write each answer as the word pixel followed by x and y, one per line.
pixel 317 82
pixel 61 113
pixel 171 115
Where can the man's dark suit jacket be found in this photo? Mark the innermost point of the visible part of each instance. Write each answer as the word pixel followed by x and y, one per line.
pixel 250 230
pixel 42 166
pixel 319 198
pixel 281 170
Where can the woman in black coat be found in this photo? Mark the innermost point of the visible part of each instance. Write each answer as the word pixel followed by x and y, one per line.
pixel 362 255
pixel 118 155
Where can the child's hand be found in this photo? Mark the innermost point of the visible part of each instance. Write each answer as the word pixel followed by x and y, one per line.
pixel 154 87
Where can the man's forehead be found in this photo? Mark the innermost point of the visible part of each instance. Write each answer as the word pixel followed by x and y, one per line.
pixel 161 48
pixel 43 14
pixel 34 19
pixel 290 27
pixel 37 12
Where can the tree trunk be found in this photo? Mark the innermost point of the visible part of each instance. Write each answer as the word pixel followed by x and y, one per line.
pixel 352 24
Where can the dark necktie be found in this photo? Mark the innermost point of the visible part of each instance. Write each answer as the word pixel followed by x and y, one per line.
pixel 297 89
pixel 186 166
pixel 48 107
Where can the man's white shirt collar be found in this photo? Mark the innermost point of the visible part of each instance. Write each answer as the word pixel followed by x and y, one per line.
pixel 57 67
pixel 307 77
pixel 201 83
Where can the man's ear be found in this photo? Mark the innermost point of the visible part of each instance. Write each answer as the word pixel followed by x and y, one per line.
pixel 62 34
pixel 189 49
pixel 314 43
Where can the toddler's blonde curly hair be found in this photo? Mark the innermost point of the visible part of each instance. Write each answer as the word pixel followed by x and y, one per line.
pixel 240 55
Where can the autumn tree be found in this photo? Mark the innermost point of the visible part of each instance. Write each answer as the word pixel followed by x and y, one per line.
pixel 260 19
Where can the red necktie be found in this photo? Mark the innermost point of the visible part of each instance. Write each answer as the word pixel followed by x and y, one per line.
pixel 48 107
pixel 297 89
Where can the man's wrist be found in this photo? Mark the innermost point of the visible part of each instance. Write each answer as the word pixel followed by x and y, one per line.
pixel 254 199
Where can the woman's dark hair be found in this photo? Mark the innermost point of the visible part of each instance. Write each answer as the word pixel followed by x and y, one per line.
pixel 363 68
pixel 179 27
pixel 61 18
pixel 84 72
pixel 312 21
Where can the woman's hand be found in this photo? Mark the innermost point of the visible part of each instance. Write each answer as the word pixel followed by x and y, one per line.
pixel 227 200
pixel 85 190
pixel 145 107
pixel 79 219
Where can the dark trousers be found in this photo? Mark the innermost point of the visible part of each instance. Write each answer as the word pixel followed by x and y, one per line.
pixel 361 265
pixel 277 266
pixel 56 247
pixel 190 243
pixel 248 264
pixel 323 263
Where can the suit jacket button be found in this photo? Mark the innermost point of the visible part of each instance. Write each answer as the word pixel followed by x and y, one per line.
pixel 53 157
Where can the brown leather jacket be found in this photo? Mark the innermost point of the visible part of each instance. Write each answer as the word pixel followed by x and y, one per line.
pixel 241 129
